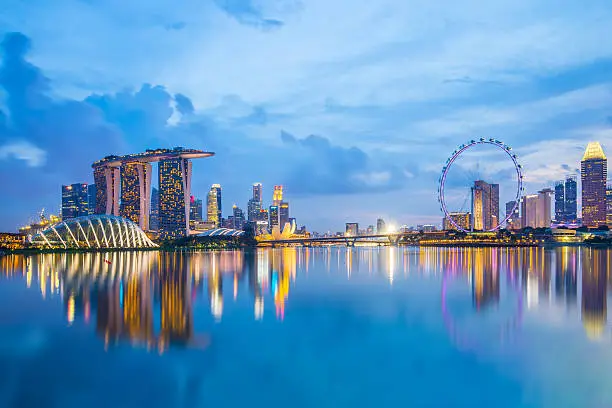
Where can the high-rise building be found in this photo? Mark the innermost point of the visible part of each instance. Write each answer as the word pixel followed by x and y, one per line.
pixel 283 214
pixel 274 218
pixel 238 218
pixel 255 204
pixel 277 196
pixel 513 214
pixel 485 205
pixel 536 209
pixel 571 199
pixel 212 208
pixel 560 201
pixel 609 205
pixel 352 229
pixel 461 218
pixel 136 192
pixel 257 192
pixel 91 199
pixel 195 210
pixel 174 197
pixel 594 173
pixel 74 201
pixel 381 226
pixel 154 217
pixel 217 189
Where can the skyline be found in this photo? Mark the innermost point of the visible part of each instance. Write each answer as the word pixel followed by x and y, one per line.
pixel 377 109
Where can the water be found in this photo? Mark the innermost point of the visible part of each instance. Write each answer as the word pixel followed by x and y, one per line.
pixel 323 327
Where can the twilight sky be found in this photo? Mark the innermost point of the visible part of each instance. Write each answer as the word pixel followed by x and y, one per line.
pixel 353 105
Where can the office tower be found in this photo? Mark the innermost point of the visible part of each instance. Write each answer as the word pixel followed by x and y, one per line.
pixel 74 201
pixel 283 214
pixel 560 201
pixel 257 192
pixel 571 199
pixel 536 209
pixel 195 210
pixel 352 229
pixel 381 227
pixel 609 205
pixel 91 199
pixel 277 196
pixel 136 192
pixel 212 208
pixel 174 197
pixel 274 218
pixel 514 220
pixel 485 205
pixel 107 180
pixel 154 217
pixel 594 173
pixel 217 189
pixel 461 218
pixel 254 205
pixel 238 220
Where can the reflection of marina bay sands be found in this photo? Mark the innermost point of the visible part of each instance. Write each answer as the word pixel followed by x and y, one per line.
pixel 127 180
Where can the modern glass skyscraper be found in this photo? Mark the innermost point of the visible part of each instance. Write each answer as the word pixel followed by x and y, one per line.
pixel 136 193
pixel 571 199
pixel 257 192
pixel 238 218
pixel 195 210
pixel 107 179
pixel 154 218
pixel 560 201
pixel 255 204
pixel 283 214
pixel 217 189
pixel 91 199
pixel 273 214
pixel 212 209
pixel 485 205
pixel 277 196
pixel 74 201
pixel 174 197
pixel 609 205
pixel 594 173
pixel 536 209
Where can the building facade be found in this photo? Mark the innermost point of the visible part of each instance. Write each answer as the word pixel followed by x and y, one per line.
pixel 485 205
pixel 571 200
pixel 536 210
pixel 352 229
pixel 514 215
pixel 217 189
pixel 283 214
pixel 594 173
pixel 174 197
pixel 136 193
pixel 560 201
pixel 238 219
pixel 154 216
pixel 212 208
pixel 609 205
pixel 91 199
pixel 75 202
pixel 195 210
pixel 462 219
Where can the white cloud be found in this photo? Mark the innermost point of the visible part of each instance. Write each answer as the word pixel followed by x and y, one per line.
pixel 23 150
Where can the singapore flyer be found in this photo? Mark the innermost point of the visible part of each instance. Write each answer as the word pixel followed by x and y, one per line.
pixel 469 186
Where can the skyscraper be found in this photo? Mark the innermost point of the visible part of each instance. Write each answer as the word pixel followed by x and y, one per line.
pixel 91 199
pixel 277 196
pixel 136 192
pixel 154 218
pixel 195 210
pixel 283 214
pixel 255 204
pixel 174 197
pixel 514 220
pixel 571 199
pixel 594 172
pixel 273 214
pixel 461 218
pixel 107 181
pixel 352 229
pixel 217 189
pixel 381 226
pixel 74 201
pixel 212 208
pixel 485 205
pixel 536 209
pixel 559 201
pixel 238 218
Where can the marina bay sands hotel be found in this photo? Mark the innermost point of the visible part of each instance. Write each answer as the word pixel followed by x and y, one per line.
pixel 123 187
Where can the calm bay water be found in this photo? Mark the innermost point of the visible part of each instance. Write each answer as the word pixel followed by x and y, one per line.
pixel 328 327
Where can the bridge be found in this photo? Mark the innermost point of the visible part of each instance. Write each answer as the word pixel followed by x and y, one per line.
pixel 349 241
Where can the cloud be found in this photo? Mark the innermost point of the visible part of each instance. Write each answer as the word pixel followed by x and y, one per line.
pixel 23 150
pixel 248 13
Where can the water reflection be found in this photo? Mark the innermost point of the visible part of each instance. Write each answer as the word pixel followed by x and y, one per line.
pixel 146 299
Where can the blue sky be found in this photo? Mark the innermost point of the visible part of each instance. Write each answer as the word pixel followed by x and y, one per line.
pixel 353 105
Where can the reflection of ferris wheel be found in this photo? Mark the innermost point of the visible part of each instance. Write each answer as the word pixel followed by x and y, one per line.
pixel 456 154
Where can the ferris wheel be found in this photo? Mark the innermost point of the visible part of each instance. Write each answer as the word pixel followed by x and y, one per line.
pixel 453 158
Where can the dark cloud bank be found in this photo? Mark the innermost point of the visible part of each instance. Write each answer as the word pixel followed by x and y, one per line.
pixel 71 134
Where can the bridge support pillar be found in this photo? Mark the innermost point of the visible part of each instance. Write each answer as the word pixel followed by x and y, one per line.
pixel 350 242
pixel 393 239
